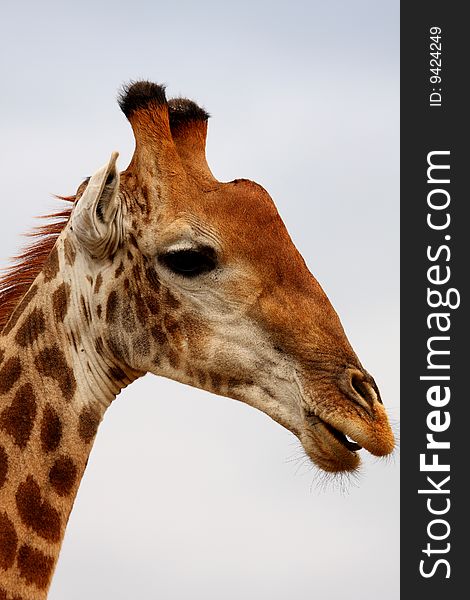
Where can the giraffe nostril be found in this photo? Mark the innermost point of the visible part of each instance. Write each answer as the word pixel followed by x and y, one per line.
pixel 361 388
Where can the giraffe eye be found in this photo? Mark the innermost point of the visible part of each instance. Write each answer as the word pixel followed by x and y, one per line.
pixel 189 263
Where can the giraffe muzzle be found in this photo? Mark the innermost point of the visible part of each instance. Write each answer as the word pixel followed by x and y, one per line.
pixel 344 417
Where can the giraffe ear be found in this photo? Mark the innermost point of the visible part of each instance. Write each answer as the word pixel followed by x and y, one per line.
pixel 97 217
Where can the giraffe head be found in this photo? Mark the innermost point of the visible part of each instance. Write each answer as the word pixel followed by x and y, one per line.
pixel 199 281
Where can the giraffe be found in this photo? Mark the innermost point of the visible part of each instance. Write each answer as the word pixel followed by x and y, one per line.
pixel 163 269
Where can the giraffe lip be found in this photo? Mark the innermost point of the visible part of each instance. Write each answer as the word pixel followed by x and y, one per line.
pixel 342 438
pixel 339 436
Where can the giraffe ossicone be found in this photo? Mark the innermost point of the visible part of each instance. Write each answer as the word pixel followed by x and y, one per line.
pixel 161 269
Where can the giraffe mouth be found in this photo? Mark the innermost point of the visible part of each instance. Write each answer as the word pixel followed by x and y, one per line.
pixel 341 437
pixel 329 447
pixel 334 446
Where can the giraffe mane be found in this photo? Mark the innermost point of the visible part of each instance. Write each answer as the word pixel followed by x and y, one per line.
pixel 18 278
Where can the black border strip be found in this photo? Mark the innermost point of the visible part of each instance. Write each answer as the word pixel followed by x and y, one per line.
pixel 430 254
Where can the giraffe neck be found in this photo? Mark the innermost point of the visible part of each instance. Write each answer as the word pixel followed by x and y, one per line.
pixel 55 385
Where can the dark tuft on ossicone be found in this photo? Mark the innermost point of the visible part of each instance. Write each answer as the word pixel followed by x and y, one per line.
pixel 140 94
pixel 183 111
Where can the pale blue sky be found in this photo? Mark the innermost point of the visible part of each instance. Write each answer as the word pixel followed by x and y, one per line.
pixel 188 495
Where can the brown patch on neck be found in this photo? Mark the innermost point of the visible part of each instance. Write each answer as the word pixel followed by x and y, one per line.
pixel 33 326
pixel 36 513
pixel 3 466
pixel 60 302
pixel 51 429
pixel 9 374
pixel 88 423
pixel 18 419
pixel 52 266
pixel 8 542
pixel 69 252
pixel 111 307
pixel 52 363
pixel 98 282
pixel 34 566
pixel 63 475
